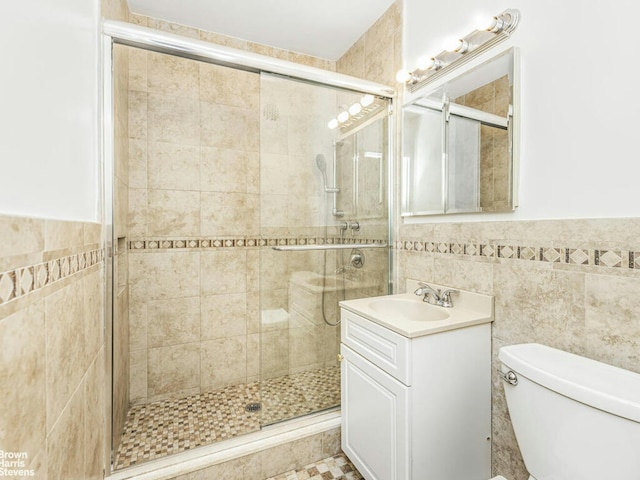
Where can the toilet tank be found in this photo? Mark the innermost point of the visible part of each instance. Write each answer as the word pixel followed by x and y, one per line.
pixel 574 418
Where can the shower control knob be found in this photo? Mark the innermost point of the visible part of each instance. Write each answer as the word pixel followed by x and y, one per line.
pixel 357 258
pixel 340 357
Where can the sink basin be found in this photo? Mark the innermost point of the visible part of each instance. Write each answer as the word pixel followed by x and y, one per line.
pixel 407 315
pixel 417 311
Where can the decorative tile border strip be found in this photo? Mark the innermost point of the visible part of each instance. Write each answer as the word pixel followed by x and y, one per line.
pixel 570 256
pixel 203 243
pixel 22 281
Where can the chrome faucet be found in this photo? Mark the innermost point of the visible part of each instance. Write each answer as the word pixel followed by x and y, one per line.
pixel 442 299
pixel 427 290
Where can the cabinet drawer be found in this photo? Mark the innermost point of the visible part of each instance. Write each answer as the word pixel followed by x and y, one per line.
pixel 381 346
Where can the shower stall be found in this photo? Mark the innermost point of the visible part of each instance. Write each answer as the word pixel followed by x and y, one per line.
pixel 242 214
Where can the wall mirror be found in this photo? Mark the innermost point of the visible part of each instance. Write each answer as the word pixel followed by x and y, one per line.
pixel 460 142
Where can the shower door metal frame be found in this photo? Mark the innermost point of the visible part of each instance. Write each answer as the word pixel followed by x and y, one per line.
pixel 116 32
pixel 172 44
pixel 108 162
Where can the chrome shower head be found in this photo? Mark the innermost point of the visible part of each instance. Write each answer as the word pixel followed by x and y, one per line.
pixel 321 163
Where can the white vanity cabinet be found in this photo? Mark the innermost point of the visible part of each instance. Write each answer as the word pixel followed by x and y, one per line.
pixel 416 408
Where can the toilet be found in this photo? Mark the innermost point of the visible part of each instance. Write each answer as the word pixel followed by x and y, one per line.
pixel 574 418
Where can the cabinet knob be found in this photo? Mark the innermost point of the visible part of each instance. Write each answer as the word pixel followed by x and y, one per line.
pixel 340 357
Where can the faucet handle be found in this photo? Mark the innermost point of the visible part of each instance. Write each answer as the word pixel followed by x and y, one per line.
pixel 445 297
pixel 423 288
pixel 420 289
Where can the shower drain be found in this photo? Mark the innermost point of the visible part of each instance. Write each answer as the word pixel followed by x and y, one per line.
pixel 253 407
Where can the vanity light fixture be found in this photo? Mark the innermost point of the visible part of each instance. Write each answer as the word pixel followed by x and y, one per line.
pixel 355 112
pixel 458 51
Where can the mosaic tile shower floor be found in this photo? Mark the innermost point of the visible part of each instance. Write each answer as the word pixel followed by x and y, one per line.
pixel 161 428
pixel 333 468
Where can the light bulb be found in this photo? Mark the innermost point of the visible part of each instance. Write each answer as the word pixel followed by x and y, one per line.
pixel 495 25
pixel 430 63
pixel 367 100
pixel 463 46
pixel 343 116
pixel 425 63
pixel 481 22
pixel 453 44
pixel 333 123
pixel 355 109
pixel 403 76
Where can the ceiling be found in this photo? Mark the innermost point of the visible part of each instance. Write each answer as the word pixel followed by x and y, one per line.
pixel 321 28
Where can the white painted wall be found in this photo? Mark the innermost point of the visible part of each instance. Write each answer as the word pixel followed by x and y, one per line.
pixel 49 109
pixel 580 103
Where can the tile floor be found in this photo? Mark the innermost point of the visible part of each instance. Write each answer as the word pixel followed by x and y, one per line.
pixel 161 428
pixel 337 467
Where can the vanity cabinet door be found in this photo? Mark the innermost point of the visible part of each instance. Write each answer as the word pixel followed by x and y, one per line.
pixel 375 419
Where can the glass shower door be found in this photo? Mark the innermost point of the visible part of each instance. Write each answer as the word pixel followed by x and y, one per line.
pixel 309 181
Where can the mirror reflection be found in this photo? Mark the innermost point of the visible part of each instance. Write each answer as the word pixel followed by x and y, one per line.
pixel 459 148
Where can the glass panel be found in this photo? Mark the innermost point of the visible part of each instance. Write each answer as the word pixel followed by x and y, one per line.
pixel 317 185
pixel 422 161
pixel 463 167
pixel 496 194
pixel 186 327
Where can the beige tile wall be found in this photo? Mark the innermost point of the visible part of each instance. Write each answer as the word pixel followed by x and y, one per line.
pixel 52 355
pixel 569 284
pixel 275 460
pixel 377 55
pixel 195 135
pixel 115 10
